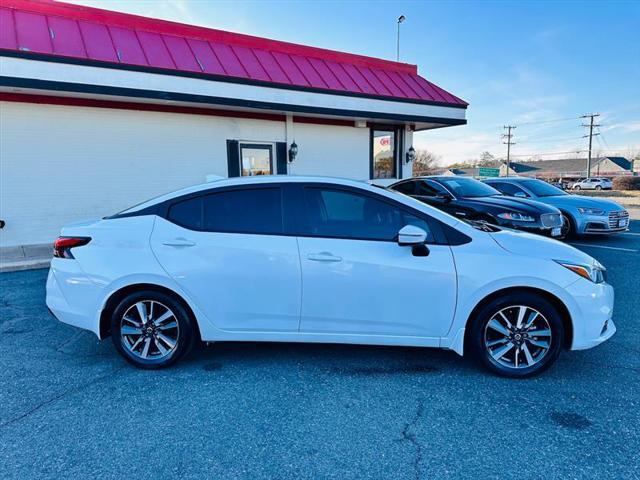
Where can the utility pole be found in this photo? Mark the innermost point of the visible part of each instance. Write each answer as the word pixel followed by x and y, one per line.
pixel 591 135
pixel 508 136
pixel 401 19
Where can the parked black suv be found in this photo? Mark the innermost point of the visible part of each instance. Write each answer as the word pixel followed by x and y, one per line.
pixel 471 199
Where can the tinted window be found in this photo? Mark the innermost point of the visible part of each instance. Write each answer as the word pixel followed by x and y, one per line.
pixel 427 188
pixel 508 188
pixel 244 211
pixel 543 189
pixel 344 214
pixel 187 213
pixel 468 187
pixel 406 187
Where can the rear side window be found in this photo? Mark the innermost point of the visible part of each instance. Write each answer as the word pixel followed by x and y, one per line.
pixel 244 211
pixel 508 188
pixel 405 187
pixel 187 214
pixel 256 211
pixel 344 214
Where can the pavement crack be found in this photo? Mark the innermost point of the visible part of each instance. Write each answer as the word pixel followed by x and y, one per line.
pixel 55 398
pixel 410 436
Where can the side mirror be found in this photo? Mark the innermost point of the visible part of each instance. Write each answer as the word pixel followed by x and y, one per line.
pixel 414 237
pixel 445 197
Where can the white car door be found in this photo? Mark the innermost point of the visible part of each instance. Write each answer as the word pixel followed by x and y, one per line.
pixel 358 280
pixel 228 252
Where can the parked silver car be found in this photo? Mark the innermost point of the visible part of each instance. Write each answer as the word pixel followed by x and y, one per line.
pixel 581 214
pixel 593 184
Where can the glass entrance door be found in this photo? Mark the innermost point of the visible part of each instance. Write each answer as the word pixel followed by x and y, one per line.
pixel 256 159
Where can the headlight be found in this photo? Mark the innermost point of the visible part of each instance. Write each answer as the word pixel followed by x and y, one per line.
pixel 518 217
pixel 591 211
pixel 594 272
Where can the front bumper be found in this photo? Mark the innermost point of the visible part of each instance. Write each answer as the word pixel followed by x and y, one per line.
pixel 592 313
pixel 532 227
pixel 603 224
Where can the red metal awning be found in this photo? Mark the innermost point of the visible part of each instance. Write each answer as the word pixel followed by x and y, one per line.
pixel 83 34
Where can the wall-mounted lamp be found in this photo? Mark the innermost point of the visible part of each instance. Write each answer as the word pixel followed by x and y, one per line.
pixel 293 151
pixel 411 154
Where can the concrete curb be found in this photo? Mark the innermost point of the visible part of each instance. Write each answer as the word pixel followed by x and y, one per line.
pixel 25 257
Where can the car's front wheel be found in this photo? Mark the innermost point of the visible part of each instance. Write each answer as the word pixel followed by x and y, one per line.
pixel 598 187
pixel 577 187
pixel 517 335
pixel 151 329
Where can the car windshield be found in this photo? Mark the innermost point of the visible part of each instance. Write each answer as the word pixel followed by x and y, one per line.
pixel 543 189
pixel 468 187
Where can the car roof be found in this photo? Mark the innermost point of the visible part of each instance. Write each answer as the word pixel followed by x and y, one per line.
pixel 512 179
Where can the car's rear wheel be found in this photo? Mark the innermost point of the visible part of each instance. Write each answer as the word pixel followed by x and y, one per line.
pixel 518 335
pixel 151 329
pixel 577 187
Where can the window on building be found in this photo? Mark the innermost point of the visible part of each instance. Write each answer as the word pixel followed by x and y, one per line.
pixel 384 151
pixel 256 159
pixel 256 210
pixel 344 214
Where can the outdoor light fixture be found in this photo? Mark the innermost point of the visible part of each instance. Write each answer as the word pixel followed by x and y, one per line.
pixel 293 151
pixel 401 19
pixel 411 154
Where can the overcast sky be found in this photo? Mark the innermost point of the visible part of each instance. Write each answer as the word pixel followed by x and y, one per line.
pixel 538 64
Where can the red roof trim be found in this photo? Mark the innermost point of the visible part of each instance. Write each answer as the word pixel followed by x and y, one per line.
pixel 61 30
pixel 126 20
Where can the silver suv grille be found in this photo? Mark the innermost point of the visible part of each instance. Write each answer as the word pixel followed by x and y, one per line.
pixel 551 220
pixel 614 217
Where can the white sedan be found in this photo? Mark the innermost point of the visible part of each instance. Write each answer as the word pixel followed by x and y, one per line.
pixel 308 259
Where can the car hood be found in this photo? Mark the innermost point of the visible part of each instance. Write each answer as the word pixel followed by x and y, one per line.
pixel 530 245
pixel 575 201
pixel 513 203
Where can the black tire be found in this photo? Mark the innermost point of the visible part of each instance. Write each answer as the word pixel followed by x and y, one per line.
pixel 478 328
pixel 577 187
pixel 598 187
pixel 184 333
pixel 568 226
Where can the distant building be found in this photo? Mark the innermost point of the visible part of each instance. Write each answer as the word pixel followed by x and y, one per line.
pixel 565 169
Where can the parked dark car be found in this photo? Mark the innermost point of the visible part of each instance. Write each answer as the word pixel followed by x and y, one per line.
pixel 471 199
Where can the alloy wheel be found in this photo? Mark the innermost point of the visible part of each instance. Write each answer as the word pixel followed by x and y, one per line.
pixel 149 330
pixel 517 337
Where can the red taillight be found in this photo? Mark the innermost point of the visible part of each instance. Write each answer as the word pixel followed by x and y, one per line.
pixel 63 245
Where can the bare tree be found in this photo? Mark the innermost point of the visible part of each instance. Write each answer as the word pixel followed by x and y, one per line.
pixel 486 158
pixel 424 161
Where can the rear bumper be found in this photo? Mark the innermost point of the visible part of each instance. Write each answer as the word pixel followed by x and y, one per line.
pixel 592 315
pixel 79 310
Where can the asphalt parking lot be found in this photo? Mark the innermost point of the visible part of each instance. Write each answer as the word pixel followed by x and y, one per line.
pixel 72 408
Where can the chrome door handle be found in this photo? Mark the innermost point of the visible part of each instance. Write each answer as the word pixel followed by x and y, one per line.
pixel 323 257
pixel 179 242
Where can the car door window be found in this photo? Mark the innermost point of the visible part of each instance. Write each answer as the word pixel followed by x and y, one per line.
pixel 428 188
pixel 244 211
pixel 407 188
pixel 187 213
pixel 346 214
pixel 509 189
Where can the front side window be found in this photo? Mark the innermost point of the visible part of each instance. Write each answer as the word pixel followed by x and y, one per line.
pixel 384 152
pixel 345 214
